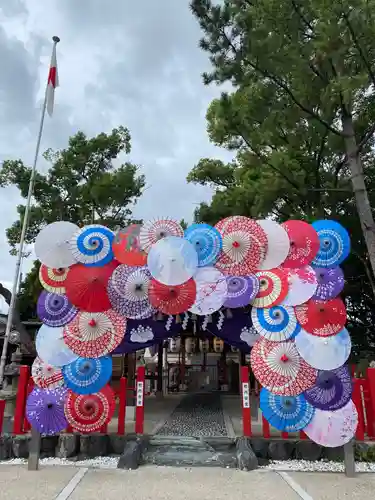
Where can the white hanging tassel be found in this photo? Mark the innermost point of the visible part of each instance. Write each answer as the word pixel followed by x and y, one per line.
pixel 186 321
pixel 229 314
pixel 169 323
pixel 209 320
pixel 220 321
pixel 205 322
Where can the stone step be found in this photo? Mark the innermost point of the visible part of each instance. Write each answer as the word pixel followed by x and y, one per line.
pixel 187 456
pixel 185 441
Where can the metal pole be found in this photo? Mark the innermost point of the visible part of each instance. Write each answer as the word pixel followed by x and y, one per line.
pixel 22 239
pixel 349 459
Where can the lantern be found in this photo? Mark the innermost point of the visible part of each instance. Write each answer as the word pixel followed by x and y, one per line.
pixel 218 345
pixel 174 345
pixel 189 345
pixel 204 345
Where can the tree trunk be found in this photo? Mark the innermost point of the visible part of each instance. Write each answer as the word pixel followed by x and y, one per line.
pixel 359 188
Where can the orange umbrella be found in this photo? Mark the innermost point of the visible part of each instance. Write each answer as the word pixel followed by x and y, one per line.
pixel 126 246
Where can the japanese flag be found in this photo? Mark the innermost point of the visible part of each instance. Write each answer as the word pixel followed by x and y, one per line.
pixel 53 82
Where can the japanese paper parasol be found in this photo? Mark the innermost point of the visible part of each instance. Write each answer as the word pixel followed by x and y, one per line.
pixel 302 284
pixel 92 335
pixel 324 353
pixel 334 243
pixel 304 243
pixel 46 376
pixel 330 283
pixel 280 369
pixel 249 335
pixel 172 260
pixel 172 299
pixel 87 375
pixel 154 230
pixel 89 412
pixel 276 324
pixel 278 244
pixel 322 318
pixel 286 413
pixel 207 242
pixel 51 347
pixel 128 292
pixel 333 428
pixel 53 280
pixel 45 410
pixel 86 287
pixel 127 248
pixel 332 389
pixel 211 291
pixel 273 288
pixel 241 290
pixel 92 245
pixel 55 310
pixel 244 246
pixel 52 245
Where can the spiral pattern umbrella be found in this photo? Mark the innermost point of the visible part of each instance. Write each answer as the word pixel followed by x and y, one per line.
pixel 88 375
pixel 154 230
pixel 322 318
pixel 46 376
pixel 241 291
pixel 45 410
pixel 55 310
pixel 334 243
pixel 92 245
pixel 127 247
pixel 332 389
pixel 52 245
pixel 330 283
pixel 207 242
pixel 53 280
pixel 275 324
pixel 304 243
pixel 273 288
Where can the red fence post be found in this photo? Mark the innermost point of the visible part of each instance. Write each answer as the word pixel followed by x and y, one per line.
pixel 357 400
pixel 368 409
pixel 2 411
pixel 265 428
pixel 19 412
pixel 245 396
pixel 122 406
pixel 140 400
pixel 371 388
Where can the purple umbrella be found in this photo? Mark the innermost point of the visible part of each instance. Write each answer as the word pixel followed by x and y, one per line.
pixel 330 283
pixel 241 290
pixel 332 389
pixel 45 410
pixel 55 310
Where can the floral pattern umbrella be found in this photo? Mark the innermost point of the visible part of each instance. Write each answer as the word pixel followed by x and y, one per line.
pixel 302 284
pixel 154 230
pixel 332 389
pixel 55 310
pixel 211 291
pixel 322 318
pixel 127 247
pixel 330 283
pixel 172 299
pixel 304 243
pixel 45 375
pixel 45 410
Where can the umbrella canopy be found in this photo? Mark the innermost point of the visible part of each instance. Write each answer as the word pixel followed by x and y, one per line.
pixel 332 389
pixel 286 413
pixel 45 410
pixel 333 428
pixel 88 375
pixel 211 291
pixel 52 245
pixel 278 244
pixel 128 292
pixel 241 291
pixel 53 280
pixel 154 230
pixel 127 247
pixel 46 376
pixel 324 353
pixel 322 318
pixel 276 324
pixel 92 335
pixel 51 347
pixel 87 413
pixel 172 299
pixel 273 288
pixel 207 242
pixel 55 310
pixel 304 243
pixel 330 283
pixel 92 245
pixel 302 284
pixel 244 246
pixel 334 243
pixel 172 260
pixel 86 287
pixel 280 369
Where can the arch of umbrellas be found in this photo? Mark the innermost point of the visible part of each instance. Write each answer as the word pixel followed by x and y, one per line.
pixel 282 283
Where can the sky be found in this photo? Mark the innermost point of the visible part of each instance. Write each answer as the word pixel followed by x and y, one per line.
pixel 120 62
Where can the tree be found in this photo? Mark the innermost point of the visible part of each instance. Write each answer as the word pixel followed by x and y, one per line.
pixel 85 184
pixel 313 58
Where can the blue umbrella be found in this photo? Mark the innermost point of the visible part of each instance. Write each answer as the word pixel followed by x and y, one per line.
pixel 334 243
pixel 207 241
pixel 92 245
pixel 286 413
pixel 87 375
pixel 277 323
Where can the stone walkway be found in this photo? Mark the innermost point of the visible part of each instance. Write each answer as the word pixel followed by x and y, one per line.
pixel 197 415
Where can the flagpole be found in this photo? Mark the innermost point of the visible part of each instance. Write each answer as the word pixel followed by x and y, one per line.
pixel 25 223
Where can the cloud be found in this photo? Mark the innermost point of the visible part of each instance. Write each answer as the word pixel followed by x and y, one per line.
pixel 141 334
pixel 249 335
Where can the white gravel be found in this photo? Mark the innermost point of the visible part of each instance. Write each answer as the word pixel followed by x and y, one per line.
pixel 321 466
pixel 98 463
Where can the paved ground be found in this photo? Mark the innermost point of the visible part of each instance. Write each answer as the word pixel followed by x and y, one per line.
pixel 164 483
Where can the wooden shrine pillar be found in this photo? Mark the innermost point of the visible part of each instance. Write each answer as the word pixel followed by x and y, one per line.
pixel 159 387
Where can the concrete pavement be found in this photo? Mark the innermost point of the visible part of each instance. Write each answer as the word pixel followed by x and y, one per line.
pixel 164 483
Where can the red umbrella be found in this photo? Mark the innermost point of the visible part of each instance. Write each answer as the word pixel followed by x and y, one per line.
pixel 273 288
pixel 53 280
pixel 279 368
pixel 92 335
pixel 304 243
pixel 126 246
pixel 86 287
pixel 89 412
pixel 172 299
pixel 322 318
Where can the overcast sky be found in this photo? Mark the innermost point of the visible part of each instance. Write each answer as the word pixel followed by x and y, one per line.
pixel 120 62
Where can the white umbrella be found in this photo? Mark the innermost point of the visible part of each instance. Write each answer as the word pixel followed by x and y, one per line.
pixel 211 291
pixel 302 284
pixel 51 347
pixel 278 244
pixel 52 245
